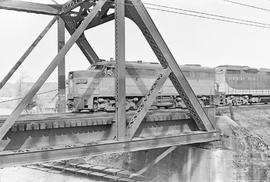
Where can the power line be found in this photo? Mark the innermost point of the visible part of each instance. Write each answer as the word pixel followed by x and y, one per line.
pixel 204 15
pixel 260 25
pixel 208 14
pixel 247 5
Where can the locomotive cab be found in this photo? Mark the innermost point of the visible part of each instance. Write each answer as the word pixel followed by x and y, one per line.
pixel 107 69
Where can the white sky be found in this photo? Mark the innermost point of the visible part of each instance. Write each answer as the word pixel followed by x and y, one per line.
pixel 191 40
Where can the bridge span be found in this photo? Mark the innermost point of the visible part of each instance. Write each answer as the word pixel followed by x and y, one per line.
pixel 37 138
pixel 45 137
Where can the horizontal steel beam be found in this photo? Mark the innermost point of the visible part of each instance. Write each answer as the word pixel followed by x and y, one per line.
pixel 53 130
pixel 30 7
pixel 74 133
pixel 8 159
pixel 71 4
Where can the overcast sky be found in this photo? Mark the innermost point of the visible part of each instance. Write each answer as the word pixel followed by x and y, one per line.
pixel 191 40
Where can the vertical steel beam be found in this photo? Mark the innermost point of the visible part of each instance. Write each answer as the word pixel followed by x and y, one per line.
pixel 138 13
pixel 27 52
pixel 231 111
pixel 44 76
pixel 120 81
pixel 61 104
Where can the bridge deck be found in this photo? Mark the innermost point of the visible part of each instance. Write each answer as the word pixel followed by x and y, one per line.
pixel 45 137
pixel 67 120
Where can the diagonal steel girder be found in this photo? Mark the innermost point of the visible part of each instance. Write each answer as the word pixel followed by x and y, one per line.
pixel 146 103
pixel 155 161
pixel 72 22
pixel 30 7
pixel 103 16
pixel 44 76
pixel 138 13
pixel 27 52
pixel 82 42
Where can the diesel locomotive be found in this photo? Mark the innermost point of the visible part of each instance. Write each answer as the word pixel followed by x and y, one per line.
pixel 94 89
pixel 241 85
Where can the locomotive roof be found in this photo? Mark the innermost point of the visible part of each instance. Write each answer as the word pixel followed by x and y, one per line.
pixel 244 68
pixel 235 67
pixel 153 65
pixel 265 69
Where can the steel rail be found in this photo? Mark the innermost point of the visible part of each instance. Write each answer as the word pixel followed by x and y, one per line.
pixel 67 120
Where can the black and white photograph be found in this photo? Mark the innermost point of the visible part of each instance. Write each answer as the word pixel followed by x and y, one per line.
pixel 134 91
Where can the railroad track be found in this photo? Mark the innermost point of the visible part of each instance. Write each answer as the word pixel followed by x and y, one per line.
pixel 69 120
pixel 94 172
pixel 244 107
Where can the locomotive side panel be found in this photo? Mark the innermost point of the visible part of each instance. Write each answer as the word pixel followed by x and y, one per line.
pixel 201 80
pixel 81 81
pixel 139 80
pixel 94 89
pixel 242 81
pixel 243 85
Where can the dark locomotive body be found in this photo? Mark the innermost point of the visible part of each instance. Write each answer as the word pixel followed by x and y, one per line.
pixel 94 89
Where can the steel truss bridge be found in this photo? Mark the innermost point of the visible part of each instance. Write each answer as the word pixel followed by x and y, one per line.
pixel 36 138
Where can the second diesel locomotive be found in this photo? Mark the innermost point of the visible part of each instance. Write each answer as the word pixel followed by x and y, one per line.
pixel 241 85
pixel 94 89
